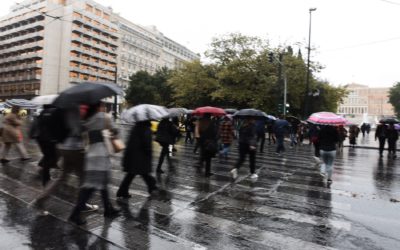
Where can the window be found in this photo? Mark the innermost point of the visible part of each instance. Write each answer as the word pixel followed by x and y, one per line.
pixel 98 12
pixel 89 8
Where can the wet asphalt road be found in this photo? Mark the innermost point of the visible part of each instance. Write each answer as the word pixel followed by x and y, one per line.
pixel 287 207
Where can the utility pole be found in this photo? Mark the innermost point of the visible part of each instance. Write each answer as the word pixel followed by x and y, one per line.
pixel 115 96
pixel 306 99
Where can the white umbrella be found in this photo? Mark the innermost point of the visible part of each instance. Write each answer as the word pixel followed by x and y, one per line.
pixel 144 112
pixel 175 112
pixel 44 99
pixel 22 103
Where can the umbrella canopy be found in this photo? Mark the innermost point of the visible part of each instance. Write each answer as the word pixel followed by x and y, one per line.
pixel 397 126
pixel 250 112
pixel 209 110
pixel 144 112
pixel 271 117
pixel 175 112
pixel 44 99
pixel 389 120
pixel 326 118
pixel 86 93
pixel 293 119
pixel 22 103
pixel 231 111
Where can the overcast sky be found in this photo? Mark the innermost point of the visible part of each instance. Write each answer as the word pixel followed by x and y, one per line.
pixel 356 40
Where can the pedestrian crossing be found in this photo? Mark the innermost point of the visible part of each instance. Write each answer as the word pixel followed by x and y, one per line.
pixel 289 206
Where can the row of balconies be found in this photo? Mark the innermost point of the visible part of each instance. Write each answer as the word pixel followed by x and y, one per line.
pixel 83 21
pixel 138 45
pixel 95 45
pixel 23 66
pixel 93 54
pixel 20 78
pixel 91 63
pixel 82 30
pixel 32 55
pixel 35 25
pixel 29 46
pixel 23 37
pixel 26 18
pixel 79 80
pixel 88 71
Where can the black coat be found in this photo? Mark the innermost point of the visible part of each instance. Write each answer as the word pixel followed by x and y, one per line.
pixel 137 157
pixel 328 136
pixel 166 132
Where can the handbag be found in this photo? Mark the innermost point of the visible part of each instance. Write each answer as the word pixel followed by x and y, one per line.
pixel 114 145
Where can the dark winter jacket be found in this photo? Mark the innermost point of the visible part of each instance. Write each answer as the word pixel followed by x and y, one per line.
pixel 281 127
pixel 166 132
pixel 137 157
pixel 380 131
pixel 392 134
pixel 247 134
pixel 328 136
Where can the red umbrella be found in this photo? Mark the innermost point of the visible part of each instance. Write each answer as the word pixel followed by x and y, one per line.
pixel 209 110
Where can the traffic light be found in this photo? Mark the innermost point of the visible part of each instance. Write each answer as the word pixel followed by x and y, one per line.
pixel 280 108
pixel 270 57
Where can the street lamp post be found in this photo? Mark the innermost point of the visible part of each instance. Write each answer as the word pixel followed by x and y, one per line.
pixel 306 100
pixel 280 61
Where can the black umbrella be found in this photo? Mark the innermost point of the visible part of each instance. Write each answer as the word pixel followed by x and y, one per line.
pixel 389 120
pixel 230 111
pixel 86 93
pixel 22 103
pixel 250 112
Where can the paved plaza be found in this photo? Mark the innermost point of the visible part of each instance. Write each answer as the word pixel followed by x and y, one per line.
pixel 287 207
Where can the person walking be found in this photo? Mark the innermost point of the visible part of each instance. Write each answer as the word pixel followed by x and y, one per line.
pixel 328 137
pixel 98 165
pixel 137 159
pixel 165 136
pixel 270 130
pixel 381 134
pixel 247 146
pixel 363 129
pixel 208 131
pixel 12 135
pixel 342 137
pixel 392 137
pixel 196 136
pixel 281 127
pixel 189 127
pixel 71 151
pixel 260 128
pixel 226 135
pixel 353 135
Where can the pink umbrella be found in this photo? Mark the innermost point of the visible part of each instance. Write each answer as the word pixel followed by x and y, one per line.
pixel 209 110
pixel 326 118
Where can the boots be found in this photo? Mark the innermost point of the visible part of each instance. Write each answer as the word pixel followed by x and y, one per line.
pixel 110 212
pixel 76 218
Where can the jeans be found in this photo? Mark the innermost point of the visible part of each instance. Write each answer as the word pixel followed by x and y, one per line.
pixel 225 149
pixel 279 144
pixel 293 139
pixel 261 136
pixel 328 157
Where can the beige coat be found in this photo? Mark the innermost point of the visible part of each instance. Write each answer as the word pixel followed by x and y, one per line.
pixel 11 128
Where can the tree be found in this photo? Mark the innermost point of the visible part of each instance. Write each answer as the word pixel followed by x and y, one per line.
pixel 394 98
pixel 193 85
pixel 151 89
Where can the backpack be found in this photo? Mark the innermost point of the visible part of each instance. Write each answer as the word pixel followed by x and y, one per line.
pixel 50 125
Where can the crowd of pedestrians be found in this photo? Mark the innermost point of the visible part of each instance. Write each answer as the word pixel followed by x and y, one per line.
pixel 83 149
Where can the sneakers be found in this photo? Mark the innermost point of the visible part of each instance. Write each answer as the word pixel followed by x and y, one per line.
pixel 234 173
pixel 90 208
pixel 253 176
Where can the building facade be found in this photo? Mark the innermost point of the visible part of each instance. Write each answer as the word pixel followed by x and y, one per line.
pixel 47 45
pixel 147 49
pixel 365 104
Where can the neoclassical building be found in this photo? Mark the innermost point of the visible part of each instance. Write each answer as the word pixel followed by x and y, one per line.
pixel 365 104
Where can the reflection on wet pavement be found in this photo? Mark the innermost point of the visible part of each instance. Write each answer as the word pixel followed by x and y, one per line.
pixel 288 207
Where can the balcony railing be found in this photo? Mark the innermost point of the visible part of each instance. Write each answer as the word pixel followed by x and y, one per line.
pixel 20 67
pixel 22 38
pixel 35 25
pixel 22 57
